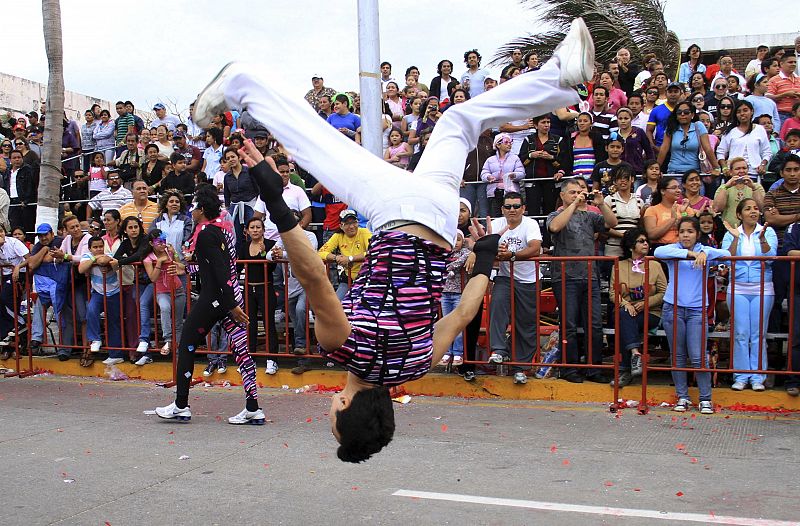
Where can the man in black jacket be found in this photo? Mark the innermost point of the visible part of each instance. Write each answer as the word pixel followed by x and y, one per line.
pixel 23 184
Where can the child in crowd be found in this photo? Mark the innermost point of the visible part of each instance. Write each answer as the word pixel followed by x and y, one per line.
pixel 102 269
pixel 19 233
pixel 398 152
pixel 652 175
pixel 451 296
pixel 163 266
pixel 682 313
pixel 97 174
pixel 775 142
pixel 793 122
pixel 179 179
pixel 601 174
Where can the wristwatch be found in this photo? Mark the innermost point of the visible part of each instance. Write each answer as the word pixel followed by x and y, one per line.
pixel 513 256
pixel 350 259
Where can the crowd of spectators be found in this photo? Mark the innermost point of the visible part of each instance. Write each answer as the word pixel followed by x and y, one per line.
pixel 697 168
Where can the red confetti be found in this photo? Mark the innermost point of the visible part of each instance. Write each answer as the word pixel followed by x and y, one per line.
pixel 694 415
pixel 608 483
pixel 679 494
pixel 636 489
pixel 171 433
pixel 60 430
pixel 266 465
pixel 553 448
pixel 285 444
pixel 680 446
pixel 444 428
pixel 355 488
pixel 694 460
pixel 565 462
pixel 309 420
pixel 107 523
pixel 171 442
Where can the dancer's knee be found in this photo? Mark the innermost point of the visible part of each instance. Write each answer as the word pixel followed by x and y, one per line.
pixel 366 425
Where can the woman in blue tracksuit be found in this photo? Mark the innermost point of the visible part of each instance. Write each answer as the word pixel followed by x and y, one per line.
pixel 752 293
pixel 683 316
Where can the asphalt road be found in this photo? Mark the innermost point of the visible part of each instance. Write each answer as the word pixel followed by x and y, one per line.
pixel 81 451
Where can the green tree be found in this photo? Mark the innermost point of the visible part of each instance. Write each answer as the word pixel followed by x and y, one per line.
pixel 638 25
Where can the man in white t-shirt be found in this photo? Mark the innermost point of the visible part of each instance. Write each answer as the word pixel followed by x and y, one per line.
pixel 13 255
pixel 170 121
pixel 520 238
pixel 295 197
pixel 754 66
pixel 472 79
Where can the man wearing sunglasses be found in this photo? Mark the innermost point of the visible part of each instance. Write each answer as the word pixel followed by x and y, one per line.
pixel 719 88
pixel 520 239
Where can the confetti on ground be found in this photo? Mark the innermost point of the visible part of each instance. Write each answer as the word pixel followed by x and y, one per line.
pixel 285 444
pixel 637 489
pixel 680 446
pixel 171 442
pixel 694 460
pixel 553 448
pixel 565 462
pixel 444 428
pixel 402 399
pixel 679 494
pixel 69 481
pixel 184 457
pixel 608 483
pixel 309 420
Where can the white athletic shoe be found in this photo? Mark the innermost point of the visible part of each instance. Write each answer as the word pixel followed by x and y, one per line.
pixel 95 346
pixel 144 360
pixel 112 361
pixel 272 367
pixel 211 101
pixel 172 411
pixel 143 347
pixel 575 56
pixel 248 417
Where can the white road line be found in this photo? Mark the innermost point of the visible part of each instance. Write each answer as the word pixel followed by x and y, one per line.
pixel 596 510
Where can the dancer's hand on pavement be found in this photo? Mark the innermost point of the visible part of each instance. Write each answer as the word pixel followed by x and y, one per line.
pixel 239 315
pixel 250 154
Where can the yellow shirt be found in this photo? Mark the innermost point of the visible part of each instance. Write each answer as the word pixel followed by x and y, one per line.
pixel 146 215
pixel 348 246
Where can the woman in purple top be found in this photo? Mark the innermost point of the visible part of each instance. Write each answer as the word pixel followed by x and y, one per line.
pixel 501 171
pixel 637 146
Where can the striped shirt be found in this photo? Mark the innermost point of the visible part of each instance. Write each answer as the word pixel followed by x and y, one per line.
pixel 786 202
pixel 583 164
pixel 391 308
pixel 781 83
pixel 604 123
pixel 628 216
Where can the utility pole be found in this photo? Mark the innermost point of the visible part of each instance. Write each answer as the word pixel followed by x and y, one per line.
pixel 369 50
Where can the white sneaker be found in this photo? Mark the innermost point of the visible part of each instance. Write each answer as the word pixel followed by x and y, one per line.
pixel 222 369
pixel 248 417
pixel 211 101
pixel 173 411
pixel 682 406
pixel 759 387
pixel 95 346
pixel 575 55
pixel 272 367
pixel 143 347
pixel 279 316
pixel 520 378
pixel 112 361
pixel 738 386
pixel 144 360
pixel 706 407
pixel 498 358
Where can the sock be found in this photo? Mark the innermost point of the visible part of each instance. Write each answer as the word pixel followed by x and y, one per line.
pixel 270 185
pixel 182 402
pixel 485 250
pixel 251 404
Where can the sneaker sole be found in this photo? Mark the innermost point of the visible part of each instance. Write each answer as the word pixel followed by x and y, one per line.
pixel 577 55
pixel 203 111
pixel 178 418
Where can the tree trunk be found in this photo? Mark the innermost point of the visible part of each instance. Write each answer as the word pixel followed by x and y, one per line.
pixel 50 173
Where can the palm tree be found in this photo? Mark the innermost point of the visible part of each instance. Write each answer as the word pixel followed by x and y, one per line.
pixel 634 24
pixel 50 173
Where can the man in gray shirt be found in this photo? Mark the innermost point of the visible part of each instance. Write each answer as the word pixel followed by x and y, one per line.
pixel 572 229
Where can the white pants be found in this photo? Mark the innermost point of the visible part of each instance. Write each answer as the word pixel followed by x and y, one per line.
pixel 383 192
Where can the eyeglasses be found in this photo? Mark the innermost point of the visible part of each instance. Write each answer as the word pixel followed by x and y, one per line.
pixel 725 106
pixel 642 241
pixel 509 207
pixel 683 112
pixel 721 86
pixel 673 188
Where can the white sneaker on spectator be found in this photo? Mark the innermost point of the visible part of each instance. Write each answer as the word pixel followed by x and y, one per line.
pixel 759 387
pixel 445 360
pixel 706 407
pixel 497 358
pixel 112 361
pixel 143 347
pixel 95 346
pixel 172 411
pixel 682 406
pixel 636 365
pixel 272 367
pixel 520 378
pixel 738 386
pixel 211 100
pixel 144 360
pixel 458 360
pixel 222 369
pixel 248 417
pixel 279 316
pixel 575 55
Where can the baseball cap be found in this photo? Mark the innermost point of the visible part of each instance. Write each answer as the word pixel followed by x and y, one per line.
pixel 159 106
pixel 344 214
pixel 674 84
pixel 177 134
pixel 44 228
pixel 316 76
pixel 32 115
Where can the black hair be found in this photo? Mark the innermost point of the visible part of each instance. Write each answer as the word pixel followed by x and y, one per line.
pixel 655 197
pixel 704 238
pixel 252 219
pixel 791 158
pixel 207 198
pixel 129 103
pixel 766 63
pixel 528 56
pixel 384 63
pixel 281 160
pixel 123 228
pixel 439 66
pixel 795 106
pixel 740 206
pixel 366 426
pixel 629 240
pixel 735 121
pixel 462 90
pixel 151 145
pixel 114 213
pixel 106 112
pixel 689 54
pixel 637 95
pixel 471 51
pixel 622 171
pixel 512 195
pixel 409 68
pixel 597 87
pixel 165 197
pixel 672 121
pixel 341 97
pixel 690 219
pixel 718 116
pixel 688 173
pixel 118 103
pixel 216 133
pixel 705 81
pixel 175 157
pixel 794 132
pixel 94 239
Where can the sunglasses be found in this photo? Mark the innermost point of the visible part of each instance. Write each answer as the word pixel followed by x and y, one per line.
pixel 509 207
pixel 19 144
pixel 652 92
pixel 684 112
pixel 699 99
pixel 643 241
pixel 725 107
pixel 721 86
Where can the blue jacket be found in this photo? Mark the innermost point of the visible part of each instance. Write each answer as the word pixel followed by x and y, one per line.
pixel 690 279
pixel 750 271
pixel 791 241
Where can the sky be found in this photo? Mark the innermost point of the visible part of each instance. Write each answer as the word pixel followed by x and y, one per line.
pixel 148 51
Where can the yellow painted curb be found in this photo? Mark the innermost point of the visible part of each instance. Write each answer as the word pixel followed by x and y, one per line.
pixel 436 384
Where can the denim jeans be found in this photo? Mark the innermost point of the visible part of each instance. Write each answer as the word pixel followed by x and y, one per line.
pixel 297 313
pixel 476 194
pixel 631 335
pixel 69 316
pixel 38 315
pixel 688 349
pixel 575 310
pixel 166 306
pixel 746 310
pixel 450 301
pixel 145 312
pixel 219 344
pixel 110 304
